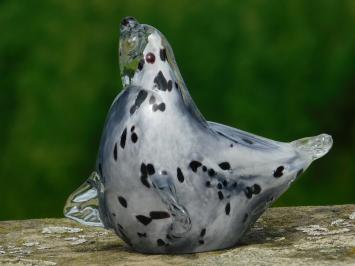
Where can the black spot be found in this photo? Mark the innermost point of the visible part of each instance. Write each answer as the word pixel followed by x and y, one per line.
pixel 123 138
pixel 168 237
pixel 245 217
pixel 220 195
pixel 256 189
pixel 180 175
pixel 201 242
pixel 208 183
pixel 194 165
pixel 203 232
pixel 278 171
pixel 161 107
pixel 211 172
pixel 162 54
pixel 141 64
pixel 231 145
pixel 142 234
pixel 115 152
pixel 133 128
pixel 113 214
pixel 144 171
pixel 248 141
pixel 235 184
pixel 134 137
pixel 143 219
pixel 219 186
pixel 225 183
pixel 248 192
pixel 228 208
pixel 160 242
pixel 142 95
pixel 152 99
pixel 157 107
pixel 145 182
pixel 299 172
pixel 170 85
pixel 162 83
pixel 225 166
pixel 204 168
pixel 176 85
pixel 150 169
pixel 150 58
pixel 123 201
pixel 144 175
pixel 159 215
pixel 164 172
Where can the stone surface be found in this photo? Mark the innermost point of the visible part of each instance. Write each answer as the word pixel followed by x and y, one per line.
pixel 292 236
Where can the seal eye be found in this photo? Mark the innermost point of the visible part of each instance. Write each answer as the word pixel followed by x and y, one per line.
pixel 150 58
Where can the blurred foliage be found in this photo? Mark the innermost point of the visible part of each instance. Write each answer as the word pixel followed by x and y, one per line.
pixel 280 69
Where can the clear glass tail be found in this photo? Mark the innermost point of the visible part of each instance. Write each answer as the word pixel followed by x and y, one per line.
pixel 315 147
pixel 83 204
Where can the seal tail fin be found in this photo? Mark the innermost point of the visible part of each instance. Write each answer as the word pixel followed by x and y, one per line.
pixel 314 147
pixel 83 204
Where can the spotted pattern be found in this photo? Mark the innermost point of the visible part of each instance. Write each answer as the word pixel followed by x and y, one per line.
pixel 225 166
pixel 220 195
pixel 134 137
pixel 163 54
pixel 194 165
pixel 115 152
pixel 180 175
pixel 141 64
pixel 141 234
pixel 211 172
pixel 254 189
pixel 161 82
pixel 160 107
pixel 279 171
pixel 123 138
pixel 144 219
pixel 144 175
pixel 141 96
pixel 228 208
pixel 122 201
pixel 203 232
pixel 155 215
pixel 160 242
pixel 150 169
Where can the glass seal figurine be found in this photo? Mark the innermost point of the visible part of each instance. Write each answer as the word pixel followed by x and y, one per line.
pixel 167 180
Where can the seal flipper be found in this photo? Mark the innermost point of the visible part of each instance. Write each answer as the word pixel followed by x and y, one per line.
pixel 181 223
pixel 83 204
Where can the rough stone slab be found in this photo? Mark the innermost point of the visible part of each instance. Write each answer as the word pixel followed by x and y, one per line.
pixel 282 236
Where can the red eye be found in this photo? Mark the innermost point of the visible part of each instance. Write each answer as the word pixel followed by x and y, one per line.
pixel 150 58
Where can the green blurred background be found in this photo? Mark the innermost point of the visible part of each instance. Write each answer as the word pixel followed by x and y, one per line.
pixel 280 69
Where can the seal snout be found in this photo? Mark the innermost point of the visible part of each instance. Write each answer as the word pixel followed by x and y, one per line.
pixel 128 23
